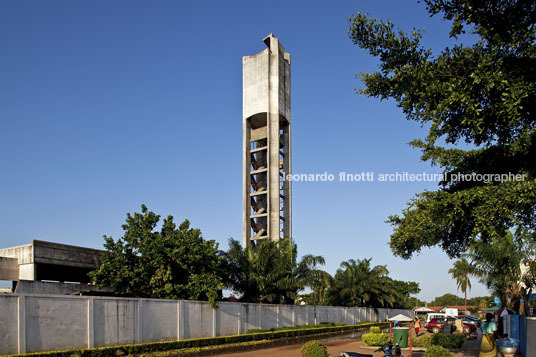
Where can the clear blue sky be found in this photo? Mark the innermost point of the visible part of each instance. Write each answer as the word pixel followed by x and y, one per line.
pixel 105 105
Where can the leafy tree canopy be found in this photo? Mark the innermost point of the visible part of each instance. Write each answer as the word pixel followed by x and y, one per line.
pixel 267 272
pixel 447 299
pixel 404 290
pixel 172 263
pixel 482 95
pixel 357 283
pixel 499 266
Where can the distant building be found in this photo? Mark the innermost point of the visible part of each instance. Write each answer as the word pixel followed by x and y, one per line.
pixel 46 267
pixel 462 310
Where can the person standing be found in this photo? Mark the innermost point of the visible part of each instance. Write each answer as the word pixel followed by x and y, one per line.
pixel 417 326
pixel 488 346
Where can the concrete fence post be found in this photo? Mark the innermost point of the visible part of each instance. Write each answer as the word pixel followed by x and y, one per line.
pixel 90 322
pixel 239 318
pixel 180 318
pixel 21 306
pixel 278 316
pixel 214 322
pixel 139 321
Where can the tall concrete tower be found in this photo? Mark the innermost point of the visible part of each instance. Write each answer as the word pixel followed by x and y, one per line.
pixel 266 154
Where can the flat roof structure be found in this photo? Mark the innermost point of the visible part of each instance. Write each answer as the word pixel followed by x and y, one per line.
pixel 41 260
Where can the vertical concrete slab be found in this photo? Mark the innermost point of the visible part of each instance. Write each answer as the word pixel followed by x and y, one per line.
pixel 302 317
pixel 9 316
pixel 286 315
pixel 115 321
pixel 269 316
pixel 159 320
pixel 198 319
pixel 55 323
pixel 228 315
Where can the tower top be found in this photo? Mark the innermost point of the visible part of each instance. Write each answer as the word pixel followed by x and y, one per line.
pixel 272 42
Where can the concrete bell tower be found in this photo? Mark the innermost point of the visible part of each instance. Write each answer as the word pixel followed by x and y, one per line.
pixel 266 137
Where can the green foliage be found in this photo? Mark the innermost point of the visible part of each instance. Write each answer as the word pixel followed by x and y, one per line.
pixel 461 271
pixel 268 272
pixel 498 265
pixel 447 299
pixel 314 349
pixel 374 329
pixel 173 263
pixel 403 290
pixel 375 339
pixel 422 341
pixel 124 350
pixel 451 299
pixel 356 283
pixel 454 340
pixel 437 351
pixel 481 96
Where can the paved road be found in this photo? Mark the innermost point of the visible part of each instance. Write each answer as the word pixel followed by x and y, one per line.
pixel 470 349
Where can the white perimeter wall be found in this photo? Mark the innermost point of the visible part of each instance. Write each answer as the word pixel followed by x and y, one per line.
pixel 35 323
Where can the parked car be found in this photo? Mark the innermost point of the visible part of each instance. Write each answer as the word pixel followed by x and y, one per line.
pixel 436 325
pixel 470 319
pixel 433 315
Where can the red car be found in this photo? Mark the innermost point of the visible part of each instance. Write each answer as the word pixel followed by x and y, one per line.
pixel 436 325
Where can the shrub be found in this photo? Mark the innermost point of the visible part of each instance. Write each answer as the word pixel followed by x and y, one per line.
pixel 314 349
pixel 423 341
pixel 374 329
pixel 437 351
pixel 448 340
pixel 375 339
pixel 189 344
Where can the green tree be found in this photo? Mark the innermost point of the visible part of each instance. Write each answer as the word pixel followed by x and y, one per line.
pixel 267 272
pixel 498 265
pixel 447 299
pixel 173 263
pixel 404 290
pixel 356 283
pixel 460 272
pixel 481 95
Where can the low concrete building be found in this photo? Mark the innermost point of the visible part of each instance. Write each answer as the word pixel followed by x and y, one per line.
pixel 47 261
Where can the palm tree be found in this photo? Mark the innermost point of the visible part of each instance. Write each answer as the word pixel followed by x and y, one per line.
pixel 461 271
pixel 356 283
pixel 267 272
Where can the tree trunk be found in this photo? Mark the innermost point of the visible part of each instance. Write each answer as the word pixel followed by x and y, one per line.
pixel 465 302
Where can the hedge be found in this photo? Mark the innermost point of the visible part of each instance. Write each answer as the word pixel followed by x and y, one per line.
pixel 448 340
pixel 437 351
pixel 123 350
pixel 314 349
pixel 422 341
pixel 375 339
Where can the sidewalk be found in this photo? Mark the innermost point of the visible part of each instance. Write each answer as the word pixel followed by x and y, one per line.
pixel 469 349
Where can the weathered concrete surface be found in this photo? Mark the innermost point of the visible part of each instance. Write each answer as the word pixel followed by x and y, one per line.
pixel 42 260
pixel 53 288
pixel 9 268
pixel 48 319
pixel 266 144
pixel 34 323
pixel 9 331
